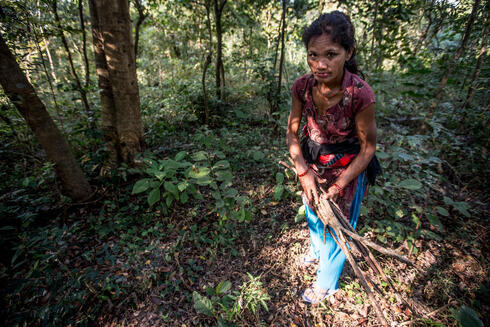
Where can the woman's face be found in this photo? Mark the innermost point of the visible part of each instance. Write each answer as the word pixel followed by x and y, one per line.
pixel 326 59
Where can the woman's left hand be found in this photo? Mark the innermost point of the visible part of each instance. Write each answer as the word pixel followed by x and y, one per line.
pixel 332 193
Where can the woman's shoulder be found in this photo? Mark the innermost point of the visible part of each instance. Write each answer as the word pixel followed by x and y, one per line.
pixel 359 83
pixel 299 86
pixel 363 94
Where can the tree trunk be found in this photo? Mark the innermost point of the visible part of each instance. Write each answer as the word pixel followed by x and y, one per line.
pixel 116 71
pixel 207 62
pixel 84 44
pixel 108 108
pixel 83 92
pixel 220 71
pixel 276 48
pixel 141 17
pixel 205 94
pixel 375 21
pixel 426 31
pixel 459 53
pixel 281 59
pixel 24 97
pixel 379 57
pixel 476 73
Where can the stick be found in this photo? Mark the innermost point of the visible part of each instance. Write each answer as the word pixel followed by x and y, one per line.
pixel 364 283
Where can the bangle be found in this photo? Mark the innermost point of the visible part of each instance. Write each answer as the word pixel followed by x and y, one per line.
pixel 341 191
pixel 304 173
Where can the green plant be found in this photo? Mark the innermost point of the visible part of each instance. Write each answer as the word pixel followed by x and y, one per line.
pixel 226 307
pixel 251 296
pixel 177 179
pixel 467 317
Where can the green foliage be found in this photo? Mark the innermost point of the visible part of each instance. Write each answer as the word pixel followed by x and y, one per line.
pixel 173 180
pixel 65 263
pixel 467 317
pixel 227 307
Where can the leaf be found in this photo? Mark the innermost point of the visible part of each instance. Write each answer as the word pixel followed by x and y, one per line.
pixel 300 215
pixel 184 198
pixel 430 235
pixel 442 211
pixel 278 191
pixel 462 207
pixel 160 175
pixel 220 204
pixel 154 196
pixel 169 200
pixel 181 155
pixel 257 155
pixel 223 287
pixel 169 187
pixel 448 201
pixel 200 156
pixel 382 155
pixel 220 154
pixel 410 184
pixel 183 185
pixel 199 172
pixel 230 193
pixel 415 219
pixel 141 186
pixel 224 175
pixel 204 181
pixel 222 164
pixel 279 178
pixel 434 221
pixel 202 304
pixel 468 317
pixel 224 323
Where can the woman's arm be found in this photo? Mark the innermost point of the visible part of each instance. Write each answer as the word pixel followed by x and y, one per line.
pixel 366 130
pixel 307 181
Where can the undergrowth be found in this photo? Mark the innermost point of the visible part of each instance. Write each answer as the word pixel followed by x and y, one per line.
pixel 153 230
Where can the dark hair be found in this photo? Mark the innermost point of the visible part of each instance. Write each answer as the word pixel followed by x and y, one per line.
pixel 339 27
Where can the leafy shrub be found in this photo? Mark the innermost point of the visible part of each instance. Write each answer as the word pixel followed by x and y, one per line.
pixel 172 180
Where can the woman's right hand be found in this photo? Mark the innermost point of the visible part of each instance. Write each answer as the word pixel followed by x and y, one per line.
pixel 308 183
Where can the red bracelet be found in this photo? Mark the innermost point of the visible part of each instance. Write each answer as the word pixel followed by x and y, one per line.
pixel 305 172
pixel 341 191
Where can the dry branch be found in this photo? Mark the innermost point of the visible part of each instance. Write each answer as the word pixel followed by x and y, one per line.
pixel 337 224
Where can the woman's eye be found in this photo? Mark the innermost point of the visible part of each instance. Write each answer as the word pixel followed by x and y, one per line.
pixel 312 54
pixel 331 54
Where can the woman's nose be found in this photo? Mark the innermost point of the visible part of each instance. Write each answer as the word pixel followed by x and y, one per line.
pixel 322 64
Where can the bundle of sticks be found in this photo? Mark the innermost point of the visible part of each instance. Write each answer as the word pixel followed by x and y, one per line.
pixel 348 240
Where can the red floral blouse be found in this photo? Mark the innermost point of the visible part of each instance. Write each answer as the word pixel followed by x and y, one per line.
pixel 338 122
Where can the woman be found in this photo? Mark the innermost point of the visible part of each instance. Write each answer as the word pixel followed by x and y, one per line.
pixel 339 139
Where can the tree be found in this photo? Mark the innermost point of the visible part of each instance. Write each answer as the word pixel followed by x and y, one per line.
pixel 276 100
pixel 81 90
pixel 116 73
pixel 22 94
pixel 220 70
pixel 458 54
pixel 481 55
pixel 142 14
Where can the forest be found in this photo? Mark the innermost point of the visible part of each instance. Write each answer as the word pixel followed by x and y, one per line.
pixel 140 175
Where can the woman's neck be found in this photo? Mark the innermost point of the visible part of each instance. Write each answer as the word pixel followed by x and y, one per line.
pixel 334 86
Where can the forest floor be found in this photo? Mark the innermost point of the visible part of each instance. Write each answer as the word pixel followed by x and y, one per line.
pixel 453 271
pixel 116 261
pixel 126 265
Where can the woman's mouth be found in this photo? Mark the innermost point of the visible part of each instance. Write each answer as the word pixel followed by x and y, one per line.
pixel 322 74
